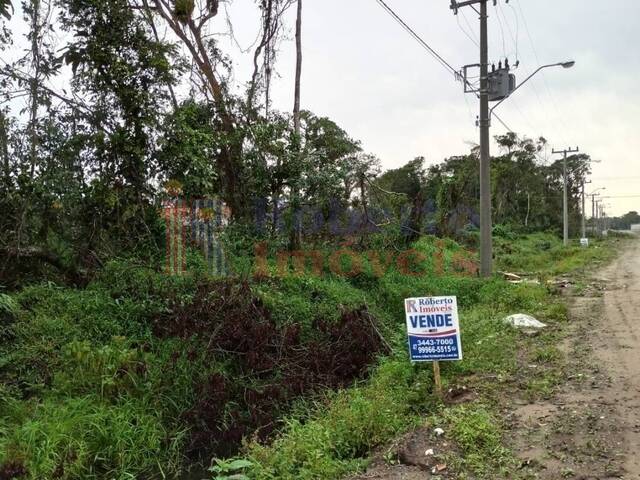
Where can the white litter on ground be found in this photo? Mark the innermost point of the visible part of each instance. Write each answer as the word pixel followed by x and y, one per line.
pixel 521 320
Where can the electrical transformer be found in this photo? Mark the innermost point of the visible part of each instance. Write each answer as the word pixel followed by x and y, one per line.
pixel 501 84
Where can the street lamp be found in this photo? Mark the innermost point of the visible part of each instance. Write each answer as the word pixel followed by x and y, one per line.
pixel 567 64
pixel 597 190
pixel 486 252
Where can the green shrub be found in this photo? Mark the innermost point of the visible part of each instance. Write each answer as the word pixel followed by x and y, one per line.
pixel 85 438
pixel 337 437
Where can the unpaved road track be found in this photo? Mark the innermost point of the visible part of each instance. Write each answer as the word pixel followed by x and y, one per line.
pixel 590 429
pixel 620 355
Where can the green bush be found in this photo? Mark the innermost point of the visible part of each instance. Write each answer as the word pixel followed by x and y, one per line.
pixel 337 437
pixel 82 437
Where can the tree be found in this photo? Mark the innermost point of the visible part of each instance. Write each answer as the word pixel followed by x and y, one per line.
pixel 189 20
pixel 298 77
pixel 186 145
pixel 625 221
pixel 409 182
pixel 296 233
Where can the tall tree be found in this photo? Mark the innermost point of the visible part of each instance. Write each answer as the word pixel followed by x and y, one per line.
pixel 35 35
pixel 296 232
pixel 296 96
pixel 123 71
pixel 190 21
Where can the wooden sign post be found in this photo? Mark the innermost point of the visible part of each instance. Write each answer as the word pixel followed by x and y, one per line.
pixel 437 379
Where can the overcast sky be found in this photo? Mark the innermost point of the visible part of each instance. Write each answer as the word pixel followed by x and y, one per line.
pixel 365 72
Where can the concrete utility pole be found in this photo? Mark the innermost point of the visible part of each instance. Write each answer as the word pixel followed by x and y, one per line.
pixel 496 86
pixel 593 196
pixel 486 241
pixel 565 190
pixel 584 210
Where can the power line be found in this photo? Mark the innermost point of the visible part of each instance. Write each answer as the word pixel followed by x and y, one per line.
pixel 513 38
pixel 535 53
pixel 441 60
pixel 417 37
pixel 504 45
pixel 544 78
pixel 621 196
pixel 473 40
pixel 520 139
pixel 515 16
pixel 631 177
pixel 421 41
pixel 464 17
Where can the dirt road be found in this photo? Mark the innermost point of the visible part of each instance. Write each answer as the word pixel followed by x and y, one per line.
pixel 591 428
pixel 622 357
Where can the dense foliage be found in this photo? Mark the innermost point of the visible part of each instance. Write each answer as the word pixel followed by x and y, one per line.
pixel 111 368
pixel 625 221
pixel 86 166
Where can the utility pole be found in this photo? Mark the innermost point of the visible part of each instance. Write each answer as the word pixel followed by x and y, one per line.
pixel 495 86
pixel 486 241
pixel 565 190
pixel 593 196
pixel 584 210
pixel 593 212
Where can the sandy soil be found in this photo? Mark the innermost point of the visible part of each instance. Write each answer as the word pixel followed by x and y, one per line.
pixel 591 428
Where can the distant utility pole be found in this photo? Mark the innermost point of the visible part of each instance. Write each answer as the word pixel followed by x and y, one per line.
pixel 565 195
pixel 593 196
pixel 584 210
pixel 601 215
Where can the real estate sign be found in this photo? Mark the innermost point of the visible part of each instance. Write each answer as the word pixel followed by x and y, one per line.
pixel 433 328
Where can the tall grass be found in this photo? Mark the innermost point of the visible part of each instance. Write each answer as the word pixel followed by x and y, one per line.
pixel 87 390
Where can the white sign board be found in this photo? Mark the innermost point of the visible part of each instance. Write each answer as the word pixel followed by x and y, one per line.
pixel 584 242
pixel 433 328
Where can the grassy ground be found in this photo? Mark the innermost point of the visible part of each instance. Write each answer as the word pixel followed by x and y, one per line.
pixel 98 383
pixel 333 441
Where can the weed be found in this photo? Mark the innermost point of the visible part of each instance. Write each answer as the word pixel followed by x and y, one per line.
pixel 547 354
pixel 230 469
pixel 478 433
